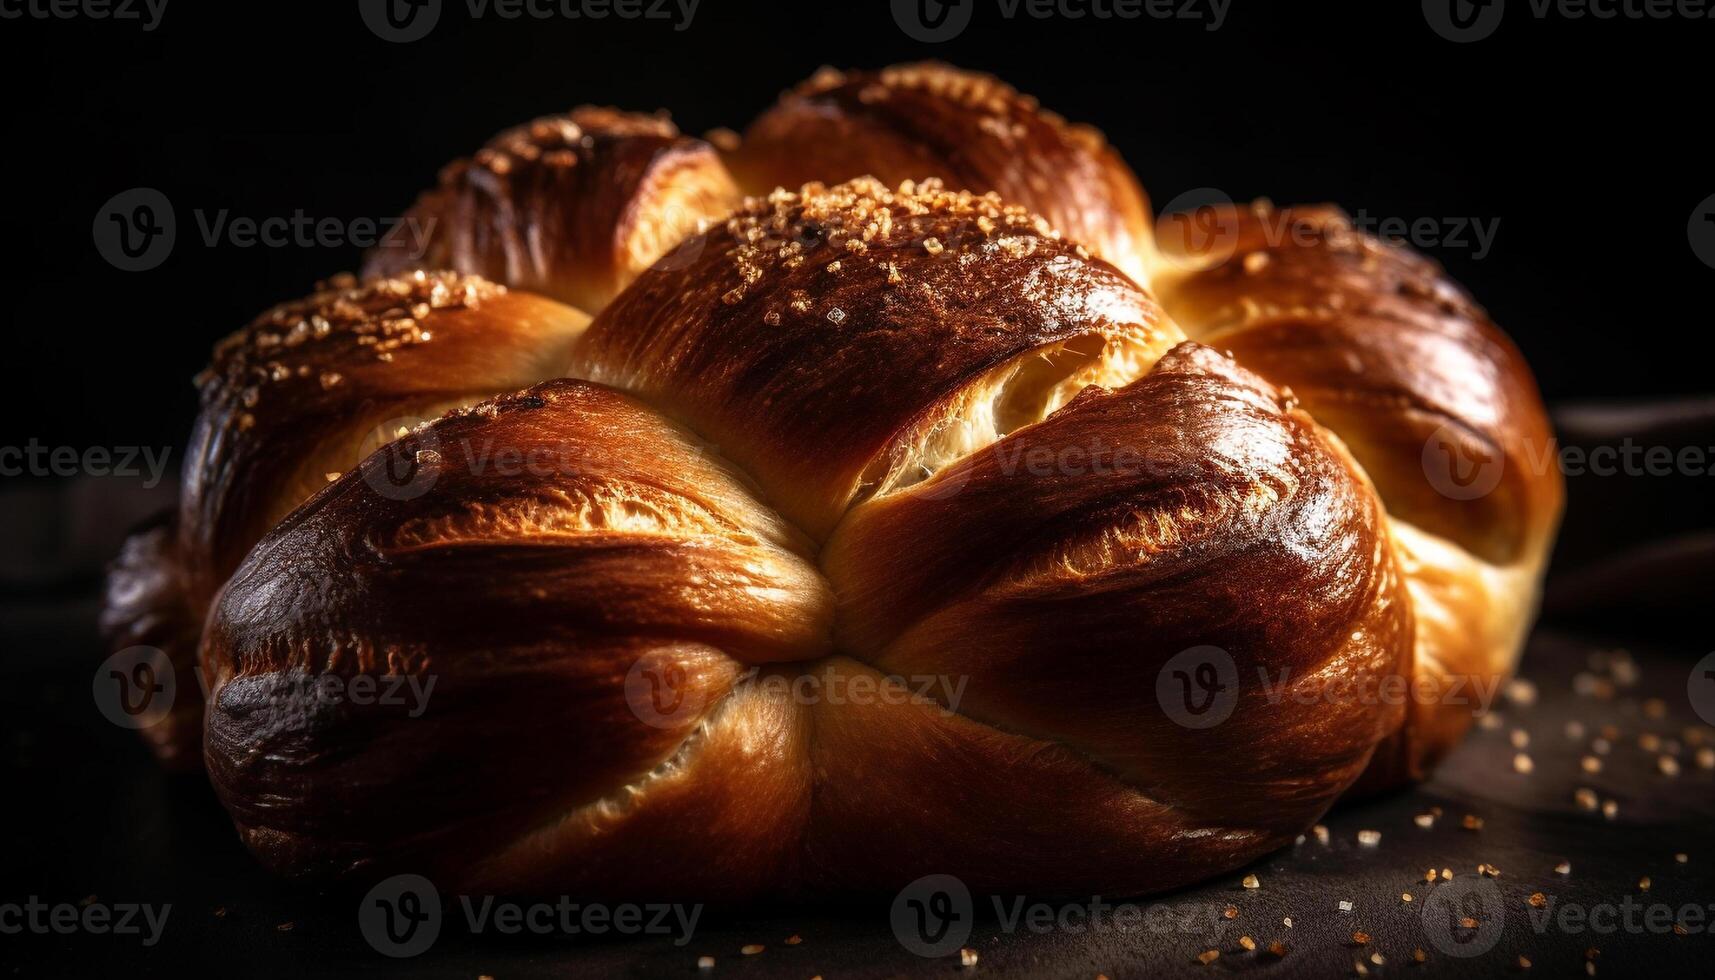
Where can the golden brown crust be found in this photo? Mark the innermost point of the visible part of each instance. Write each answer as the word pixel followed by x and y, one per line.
pixel 642 552
pixel 296 395
pixel 962 447
pixel 1387 352
pixel 572 206
pixel 972 130
pixel 1432 399
pixel 821 339
pixel 1091 538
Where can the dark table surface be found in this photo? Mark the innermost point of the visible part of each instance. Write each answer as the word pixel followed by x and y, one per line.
pixel 97 823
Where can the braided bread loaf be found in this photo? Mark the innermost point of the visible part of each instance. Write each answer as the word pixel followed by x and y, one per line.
pixel 674 519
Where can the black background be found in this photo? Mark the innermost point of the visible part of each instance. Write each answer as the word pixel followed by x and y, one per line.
pixel 1578 135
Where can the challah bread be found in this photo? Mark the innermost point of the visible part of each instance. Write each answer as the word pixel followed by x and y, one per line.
pixel 571 206
pixel 842 437
pixel 970 129
pixel 845 339
pixel 1431 398
pixel 148 603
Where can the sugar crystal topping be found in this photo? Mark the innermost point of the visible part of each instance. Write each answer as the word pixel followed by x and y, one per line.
pixel 300 339
pixel 859 219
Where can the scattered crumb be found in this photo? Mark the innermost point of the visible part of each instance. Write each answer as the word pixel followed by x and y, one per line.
pixel 752 949
pixel 1369 838
pixel 1424 820
pixel 1208 956
pixel 1247 943
pixel 1563 868
pixel 967 957
pixel 1522 764
pixel 1251 881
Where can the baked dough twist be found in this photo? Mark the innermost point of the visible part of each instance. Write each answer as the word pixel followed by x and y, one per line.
pixel 848 533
